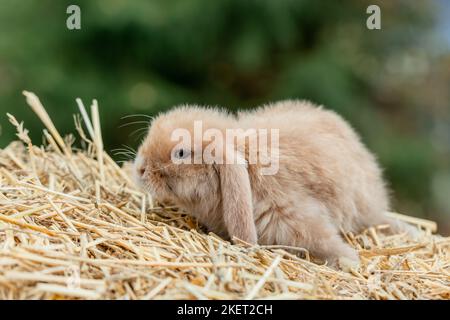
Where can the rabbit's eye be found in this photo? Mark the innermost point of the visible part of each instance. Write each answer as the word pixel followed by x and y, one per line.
pixel 181 153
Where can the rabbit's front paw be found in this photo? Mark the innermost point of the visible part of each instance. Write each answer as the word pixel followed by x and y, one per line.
pixel 347 264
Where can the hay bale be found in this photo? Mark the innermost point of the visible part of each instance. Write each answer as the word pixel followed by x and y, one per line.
pixel 73 225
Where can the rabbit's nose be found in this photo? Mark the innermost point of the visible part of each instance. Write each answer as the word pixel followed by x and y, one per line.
pixel 139 164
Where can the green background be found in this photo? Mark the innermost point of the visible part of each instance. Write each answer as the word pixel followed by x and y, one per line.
pixel 141 57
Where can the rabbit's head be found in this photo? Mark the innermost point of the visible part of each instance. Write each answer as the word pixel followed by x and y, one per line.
pixel 184 159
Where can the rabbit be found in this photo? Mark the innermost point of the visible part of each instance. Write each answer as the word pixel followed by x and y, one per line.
pixel 326 182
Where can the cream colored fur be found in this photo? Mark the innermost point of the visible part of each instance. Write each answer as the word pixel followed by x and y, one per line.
pixel 327 180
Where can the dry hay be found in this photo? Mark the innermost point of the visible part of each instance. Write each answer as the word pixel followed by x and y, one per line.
pixel 73 225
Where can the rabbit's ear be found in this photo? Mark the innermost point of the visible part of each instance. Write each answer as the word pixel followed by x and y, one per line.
pixel 237 201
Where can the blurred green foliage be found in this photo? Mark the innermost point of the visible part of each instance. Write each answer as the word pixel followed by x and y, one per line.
pixel 146 56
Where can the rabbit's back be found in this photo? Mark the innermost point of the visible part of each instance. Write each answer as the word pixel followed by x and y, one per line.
pixel 321 159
